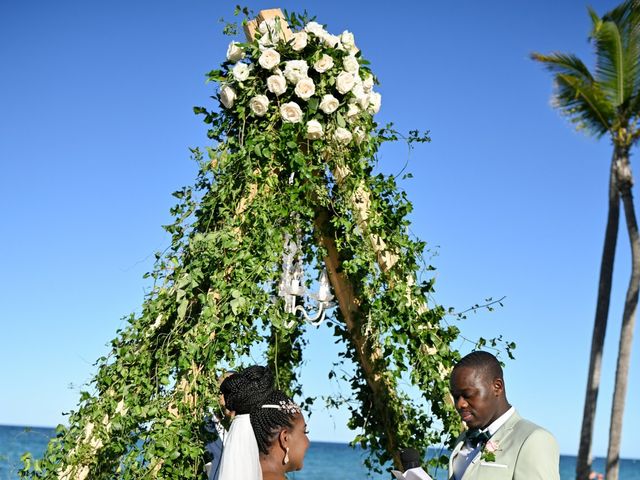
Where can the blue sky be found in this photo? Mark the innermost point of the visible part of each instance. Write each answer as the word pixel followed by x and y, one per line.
pixel 95 124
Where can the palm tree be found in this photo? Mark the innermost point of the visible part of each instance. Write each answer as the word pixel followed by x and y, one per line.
pixel 607 102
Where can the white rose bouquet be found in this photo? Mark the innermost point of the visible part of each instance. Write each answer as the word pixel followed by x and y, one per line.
pixel 313 86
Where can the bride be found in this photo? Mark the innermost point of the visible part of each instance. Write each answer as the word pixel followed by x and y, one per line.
pixel 268 435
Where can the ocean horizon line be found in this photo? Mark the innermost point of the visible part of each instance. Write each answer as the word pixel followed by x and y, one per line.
pixel 47 427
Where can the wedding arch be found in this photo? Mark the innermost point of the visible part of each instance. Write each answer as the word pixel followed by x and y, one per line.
pixel 286 194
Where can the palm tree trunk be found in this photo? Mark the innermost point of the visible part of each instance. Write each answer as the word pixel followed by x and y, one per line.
pixel 628 322
pixel 583 464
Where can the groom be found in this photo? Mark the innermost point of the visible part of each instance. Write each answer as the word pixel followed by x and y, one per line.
pixel 499 442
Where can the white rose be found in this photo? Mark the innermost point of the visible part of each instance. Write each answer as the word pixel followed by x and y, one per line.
pixel 227 96
pixel 330 40
pixel 352 112
pixel 234 52
pixel 295 70
pixel 314 130
pixel 271 29
pixel 367 83
pixel 329 104
pixel 315 28
pixel 347 38
pixel 375 100
pixel 342 135
pixel 361 97
pixel 263 27
pixel 269 59
pixel 323 64
pixel 350 64
pixel 259 105
pixel 277 84
pixel 291 112
pixel 300 40
pixel 241 71
pixel 358 135
pixel 345 82
pixel 265 42
pixel 305 88
pixel 347 41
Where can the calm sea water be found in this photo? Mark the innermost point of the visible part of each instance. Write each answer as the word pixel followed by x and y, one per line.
pixel 324 461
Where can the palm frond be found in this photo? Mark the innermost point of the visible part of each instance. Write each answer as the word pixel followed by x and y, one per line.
pixel 577 94
pixel 610 63
pixel 584 103
pixel 596 22
pixel 627 17
pixel 617 42
pixel 608 97
pixel 624 13
pixel 564 64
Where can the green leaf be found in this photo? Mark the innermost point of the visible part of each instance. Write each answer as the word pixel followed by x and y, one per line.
pixel 312 105
pixel 237 304
pixel 182 309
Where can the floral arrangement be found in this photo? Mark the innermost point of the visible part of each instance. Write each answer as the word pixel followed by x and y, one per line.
pixel 313 80
pixel 489 451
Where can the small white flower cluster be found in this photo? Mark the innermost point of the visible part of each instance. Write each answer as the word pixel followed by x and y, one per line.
pixel 330 74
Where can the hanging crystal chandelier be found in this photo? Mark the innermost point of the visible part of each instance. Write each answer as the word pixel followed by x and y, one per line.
pixel 291 287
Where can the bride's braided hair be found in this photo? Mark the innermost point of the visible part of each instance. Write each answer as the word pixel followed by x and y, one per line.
pixel 245 390
pixel 276 412
pixel 251 391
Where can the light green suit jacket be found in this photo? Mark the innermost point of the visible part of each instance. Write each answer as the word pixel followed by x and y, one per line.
pixel 524 451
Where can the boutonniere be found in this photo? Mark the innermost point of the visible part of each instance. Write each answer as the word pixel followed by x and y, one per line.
pixel 489 451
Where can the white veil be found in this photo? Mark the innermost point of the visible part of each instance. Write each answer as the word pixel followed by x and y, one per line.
pixel 240 457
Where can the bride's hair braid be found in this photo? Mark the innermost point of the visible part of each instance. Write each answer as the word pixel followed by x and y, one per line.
pixel 267 422
pixel 245 390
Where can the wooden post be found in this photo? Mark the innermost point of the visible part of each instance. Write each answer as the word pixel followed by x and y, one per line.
pixel 274 14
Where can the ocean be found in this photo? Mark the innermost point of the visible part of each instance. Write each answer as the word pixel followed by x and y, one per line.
pixel 324 461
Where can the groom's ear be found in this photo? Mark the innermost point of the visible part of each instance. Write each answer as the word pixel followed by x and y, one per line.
pixel 498 386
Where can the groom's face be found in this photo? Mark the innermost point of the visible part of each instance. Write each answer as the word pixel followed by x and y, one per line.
pixel 476 396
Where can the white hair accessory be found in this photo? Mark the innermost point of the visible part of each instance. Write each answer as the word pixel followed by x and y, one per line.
pixel 289 407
